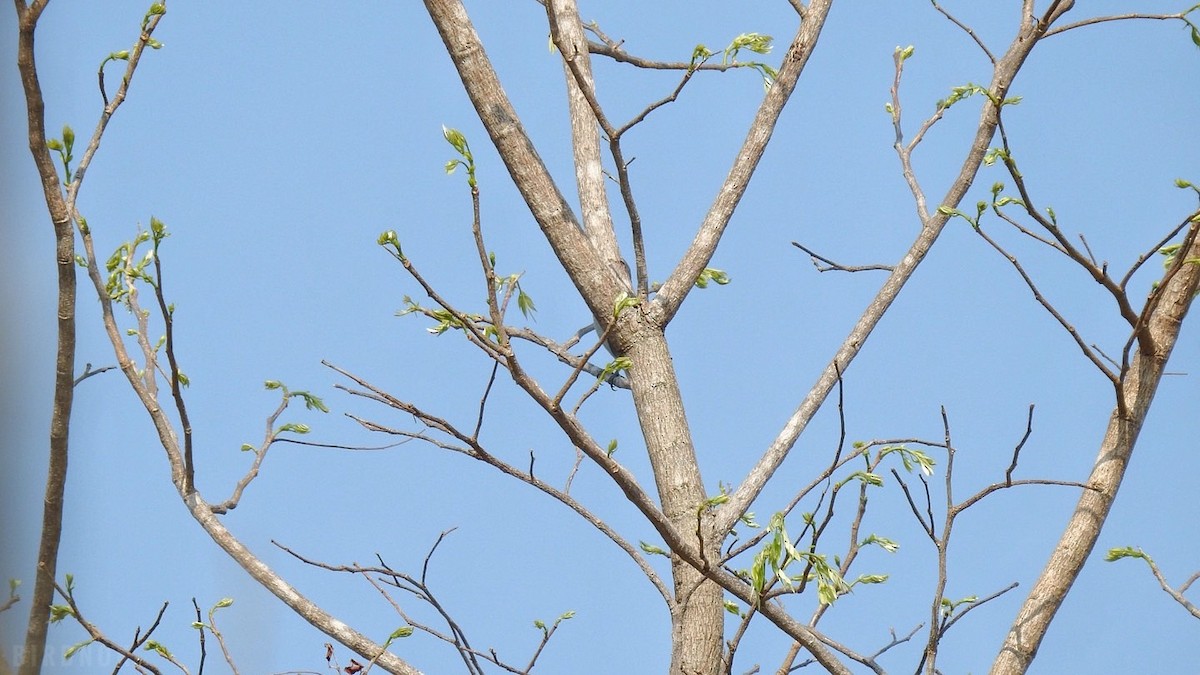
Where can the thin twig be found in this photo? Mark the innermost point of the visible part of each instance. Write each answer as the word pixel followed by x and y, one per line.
pixel 1017 450
pixel 1153 250
pixel 88 372
pixel 1114 17
pixel 1045 303
pixel 978 603
pixel 195 605
pixel 98 636
pixel 483 400
pixel 831 266
pixel 472 448
pixel 966 29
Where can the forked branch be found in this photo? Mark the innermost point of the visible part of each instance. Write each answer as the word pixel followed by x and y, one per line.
pixel 932 225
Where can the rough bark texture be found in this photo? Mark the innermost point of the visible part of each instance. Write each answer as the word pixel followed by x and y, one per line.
pixel 697 617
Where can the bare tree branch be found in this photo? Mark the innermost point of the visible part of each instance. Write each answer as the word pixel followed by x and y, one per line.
pixel 567 32
pixel 597 282
pixel 1005 70
pixel 677 286
pixel 1115 17
pixel 1173 299
pixel 831 266
pixel 88 372
pixel 63 215
pixel 966 29
pixel 475 450
pixel 98 636
pixel 1091 355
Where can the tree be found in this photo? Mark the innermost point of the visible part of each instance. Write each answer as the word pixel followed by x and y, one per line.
pixel 688 518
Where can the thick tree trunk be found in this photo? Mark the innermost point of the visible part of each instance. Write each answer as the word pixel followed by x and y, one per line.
pixel 697 617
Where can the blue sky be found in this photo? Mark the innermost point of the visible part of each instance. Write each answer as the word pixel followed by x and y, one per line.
pixel 277 140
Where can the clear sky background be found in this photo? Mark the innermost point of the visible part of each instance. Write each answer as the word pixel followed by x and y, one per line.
pixel 277 140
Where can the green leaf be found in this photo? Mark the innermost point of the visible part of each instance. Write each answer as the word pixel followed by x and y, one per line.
pixel 865 477
pixel 768 73
pixel 882 542
pixel 652 549
pixel 623 302
pixel 68 137
pixel 294 427
pixel 959 93
pixel 310 401
pixel 1195 36
pixel 1126 552
pixel 949 606
pixel 712 274
pixel 12 585
pixel 612 447
pixel 223 603
pixel 911 458
pixel 401 632
pixel 273 384
pixel 389 238
pixel 826 594
pixel 755 42
pixel 246 447
pixel 871 579
pixel 158 229
pixel 456 139
pixel 76 647
pixel 160 648
pixel 732 608
pixel 525 303
pixel 713 501
pixel 621 363
pixel 60 612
